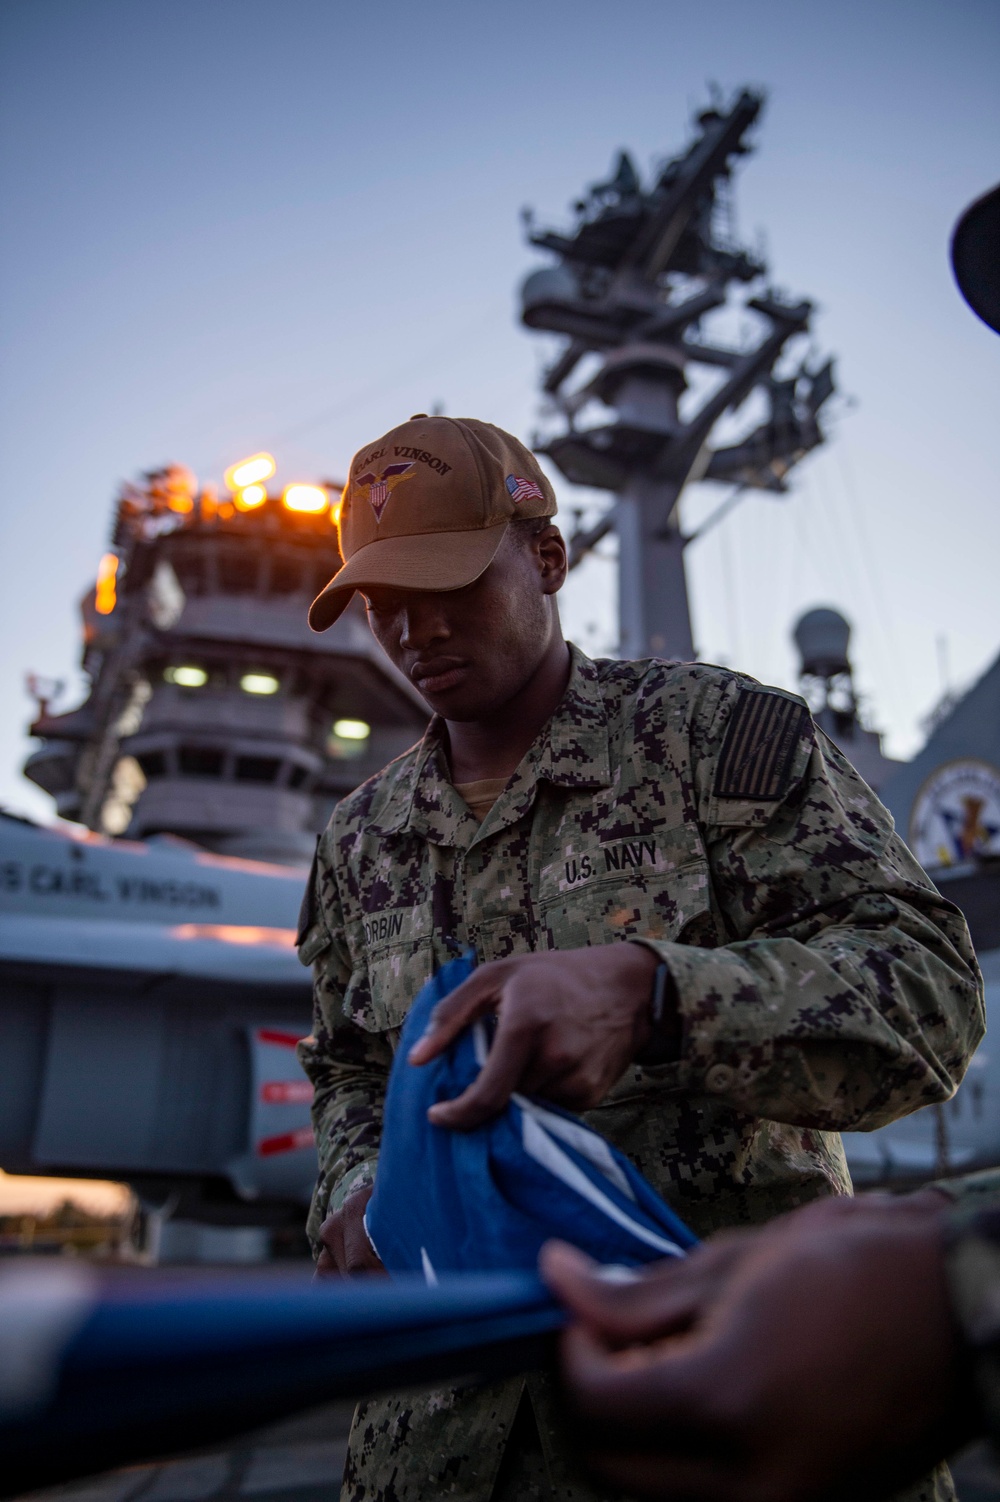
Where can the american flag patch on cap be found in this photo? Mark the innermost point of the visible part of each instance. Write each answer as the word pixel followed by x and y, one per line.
pixel 757 753
pixel 520 488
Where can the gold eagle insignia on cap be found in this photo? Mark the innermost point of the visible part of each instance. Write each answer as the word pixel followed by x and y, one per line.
pixel 380 487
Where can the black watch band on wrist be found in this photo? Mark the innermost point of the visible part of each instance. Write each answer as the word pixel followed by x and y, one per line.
pixel 664 1044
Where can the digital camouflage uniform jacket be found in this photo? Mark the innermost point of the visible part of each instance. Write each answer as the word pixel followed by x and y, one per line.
pixel 822 981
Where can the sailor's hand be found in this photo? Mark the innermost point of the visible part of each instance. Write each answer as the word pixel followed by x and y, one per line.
pixel 346 1248
pixel 569 1022
pixel 814 1357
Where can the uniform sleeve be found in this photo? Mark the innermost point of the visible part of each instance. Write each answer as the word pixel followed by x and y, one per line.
pixel 843 991
pixel 348 1067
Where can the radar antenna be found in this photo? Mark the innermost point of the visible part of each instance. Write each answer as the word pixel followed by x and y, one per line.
pixel 631 284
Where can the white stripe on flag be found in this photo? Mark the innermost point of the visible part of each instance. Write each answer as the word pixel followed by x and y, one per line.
pixel 430 1275
pixel 540 1146
pixel 587 1143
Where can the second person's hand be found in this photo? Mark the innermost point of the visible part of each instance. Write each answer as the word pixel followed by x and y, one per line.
pixel 814 1357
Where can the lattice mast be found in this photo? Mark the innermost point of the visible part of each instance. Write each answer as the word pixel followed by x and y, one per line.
pixel 632 284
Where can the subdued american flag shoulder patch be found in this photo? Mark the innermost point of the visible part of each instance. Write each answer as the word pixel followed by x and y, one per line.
pixel 757 754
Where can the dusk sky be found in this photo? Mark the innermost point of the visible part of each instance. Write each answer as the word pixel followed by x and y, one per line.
pixel 231 225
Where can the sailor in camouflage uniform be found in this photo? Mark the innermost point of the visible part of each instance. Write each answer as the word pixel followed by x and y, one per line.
pixel 792 971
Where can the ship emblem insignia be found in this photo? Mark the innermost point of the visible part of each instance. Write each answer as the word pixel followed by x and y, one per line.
pixel 380 487
pixel 956 815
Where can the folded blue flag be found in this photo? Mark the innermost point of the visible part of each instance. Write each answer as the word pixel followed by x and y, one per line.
pixel 448 1201
pixel 102 1368
pixel 99 1370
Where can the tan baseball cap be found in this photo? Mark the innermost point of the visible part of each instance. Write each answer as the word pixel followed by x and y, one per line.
pixel 427 507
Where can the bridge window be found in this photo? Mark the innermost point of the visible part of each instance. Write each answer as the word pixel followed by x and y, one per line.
pixel 153 763
pixel 287 576
pixel 190 570
pixel 257 768
pixel 200 761
pixel 238 573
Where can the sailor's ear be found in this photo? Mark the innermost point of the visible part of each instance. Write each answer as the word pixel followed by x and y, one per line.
pixel 553 559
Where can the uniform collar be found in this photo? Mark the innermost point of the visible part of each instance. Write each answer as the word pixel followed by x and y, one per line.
pixel 570 751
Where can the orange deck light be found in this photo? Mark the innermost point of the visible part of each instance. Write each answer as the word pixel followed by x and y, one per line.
pixel 106 592
pixel 250 497
pixel 249 471
pixel 308 498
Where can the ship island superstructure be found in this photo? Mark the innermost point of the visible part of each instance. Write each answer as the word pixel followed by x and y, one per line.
pixel 152 995
pixel 214 713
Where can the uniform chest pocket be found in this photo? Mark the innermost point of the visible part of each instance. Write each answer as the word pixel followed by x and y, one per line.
pixel 498 938
pixel 636 900
pixel 395 975
pixel 395 956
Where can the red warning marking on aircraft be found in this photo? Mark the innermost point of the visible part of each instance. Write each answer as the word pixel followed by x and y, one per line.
pixel 285 1142
pixel 272 1035
pixel 286 1092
